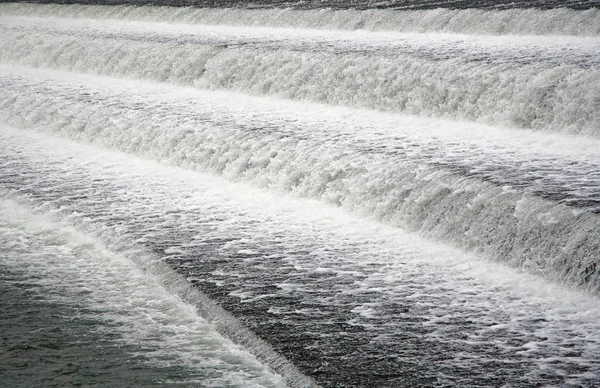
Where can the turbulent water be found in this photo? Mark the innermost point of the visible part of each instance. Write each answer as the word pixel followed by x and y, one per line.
pixel 300 196
pixel 355 4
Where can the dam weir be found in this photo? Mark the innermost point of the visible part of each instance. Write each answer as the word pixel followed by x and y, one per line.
pixel 270 194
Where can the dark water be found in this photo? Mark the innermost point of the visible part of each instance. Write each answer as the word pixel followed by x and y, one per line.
pixel 47 343
pixel 358 4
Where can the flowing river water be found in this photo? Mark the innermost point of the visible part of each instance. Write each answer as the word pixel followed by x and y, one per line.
pixel 292 195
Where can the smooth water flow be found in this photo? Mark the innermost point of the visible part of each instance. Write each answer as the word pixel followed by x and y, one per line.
pixel 300 196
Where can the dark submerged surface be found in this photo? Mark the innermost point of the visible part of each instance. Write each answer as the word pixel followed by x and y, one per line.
pixel 48 343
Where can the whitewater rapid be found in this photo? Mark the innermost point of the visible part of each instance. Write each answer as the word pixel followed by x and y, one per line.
pixel 542 190
pixel 313 281
pixel 272 197
pixel 542 83
pixel 516 21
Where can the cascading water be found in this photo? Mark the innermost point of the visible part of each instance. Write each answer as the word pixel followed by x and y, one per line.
pixel 530 21
pixel 354 197
pixel 537 83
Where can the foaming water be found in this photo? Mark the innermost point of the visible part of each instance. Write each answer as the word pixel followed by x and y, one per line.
pixel 337 295
pixel 541 83
pixel 473 20
pixel 410 173
pixel 153 325
pixel 301 169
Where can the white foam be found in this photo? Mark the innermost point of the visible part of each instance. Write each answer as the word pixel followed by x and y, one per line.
pixel 271 145
pixel 386 264
pixel 469 21
pixel 78 269
pixel 542 83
